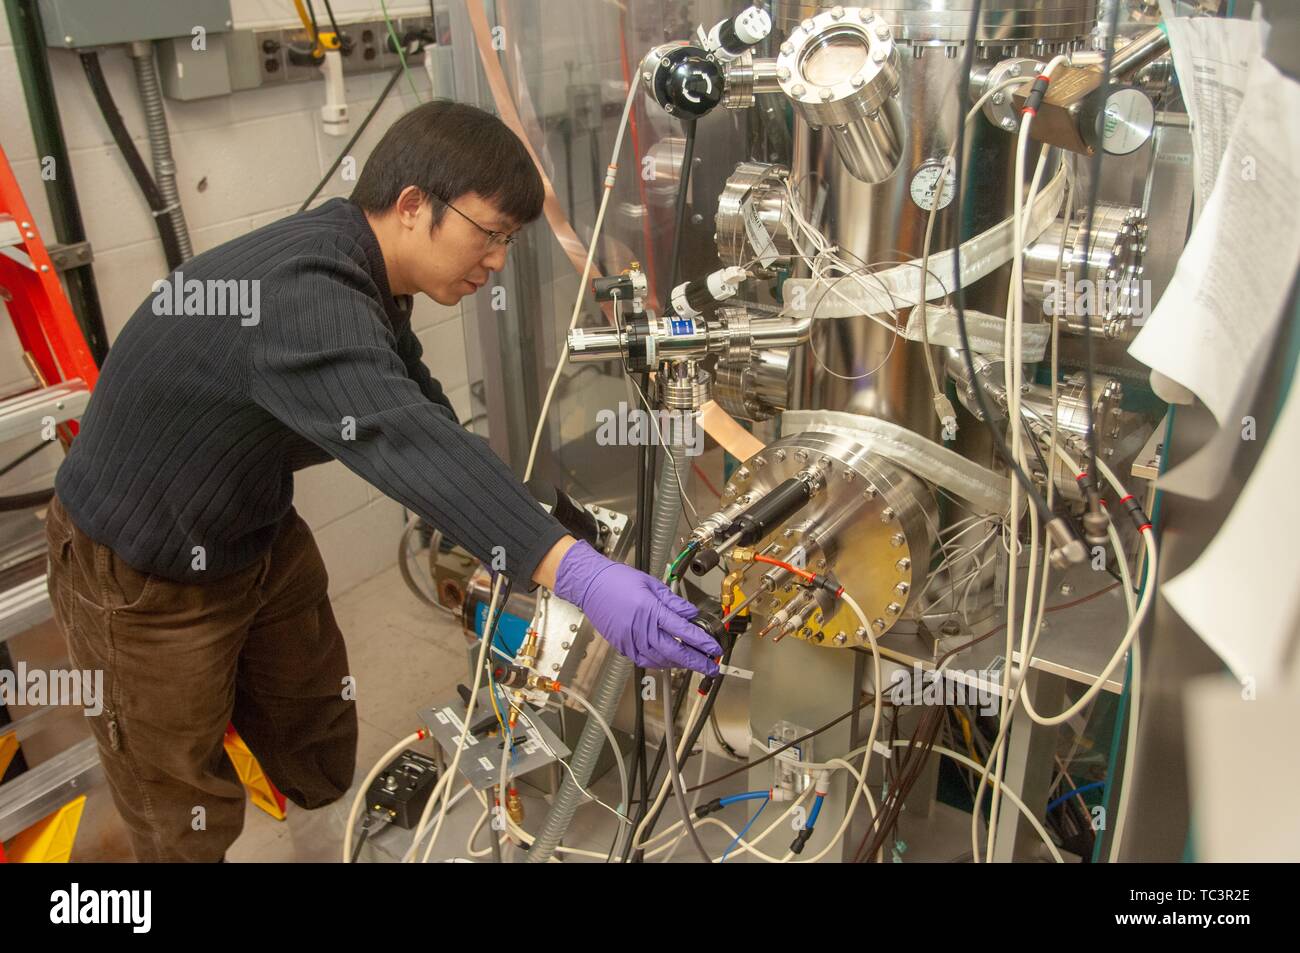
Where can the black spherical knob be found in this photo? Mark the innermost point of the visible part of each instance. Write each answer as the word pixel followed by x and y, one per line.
pixel 695 85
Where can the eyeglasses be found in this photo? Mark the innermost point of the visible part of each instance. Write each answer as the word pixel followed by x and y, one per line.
pixel 495 239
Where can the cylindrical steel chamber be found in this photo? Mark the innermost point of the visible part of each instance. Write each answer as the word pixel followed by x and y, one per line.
pixel 872 370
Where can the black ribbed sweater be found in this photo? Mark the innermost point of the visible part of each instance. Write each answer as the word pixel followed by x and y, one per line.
pixel 187 451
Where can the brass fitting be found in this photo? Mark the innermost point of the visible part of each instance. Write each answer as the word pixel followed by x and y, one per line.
pixel 542 684
pixel 729 589
pixel 514 806
pixel 527 654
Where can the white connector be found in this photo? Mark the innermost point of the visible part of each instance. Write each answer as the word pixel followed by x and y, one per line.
pixel 947 416
pixel 334 114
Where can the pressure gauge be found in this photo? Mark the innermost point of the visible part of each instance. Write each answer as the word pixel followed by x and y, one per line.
pixel 925 185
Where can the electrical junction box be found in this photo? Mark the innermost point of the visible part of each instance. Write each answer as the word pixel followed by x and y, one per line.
pixel 402 789
pixel 187 73
pixel 72 24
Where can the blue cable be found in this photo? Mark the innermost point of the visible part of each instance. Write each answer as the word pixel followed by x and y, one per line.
pixel 1069 794
pixel 816 809
pixel 736 840
pixel 747 796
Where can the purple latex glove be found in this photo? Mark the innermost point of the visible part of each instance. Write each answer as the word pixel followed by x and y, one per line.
pixel 635 613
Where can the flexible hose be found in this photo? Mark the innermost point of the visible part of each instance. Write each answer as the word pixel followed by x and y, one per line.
pixel 113 119
pixel 609 689
pixel 160 145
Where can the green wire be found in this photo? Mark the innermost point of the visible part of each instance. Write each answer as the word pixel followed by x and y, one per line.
pixel 672 567
pixel 401 54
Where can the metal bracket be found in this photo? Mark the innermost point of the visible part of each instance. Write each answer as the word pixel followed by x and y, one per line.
pixel 68 257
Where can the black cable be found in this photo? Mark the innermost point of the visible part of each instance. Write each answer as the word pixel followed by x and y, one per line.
pixel 388 88
pixel 1042 462
pixel 344 43
pixel 647 461
pixel 959 290
pixel 27 455
pixel 653 774
pixel 776 751
pixel 696 729
pixel 492 634
pixel 315 27
pixel 915 758
pixel 1033 442
pixel 366 828
pixel 25 501
pixel 639 749
pixel 139 171
pixel 1094 186
pixel 720 739
pixel 679 214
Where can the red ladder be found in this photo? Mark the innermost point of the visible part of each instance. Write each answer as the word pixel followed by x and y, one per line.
pixel 42 316
pixel 61 362
pixel 64 371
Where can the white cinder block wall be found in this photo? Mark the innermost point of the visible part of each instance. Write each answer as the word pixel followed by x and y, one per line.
pixel 243 160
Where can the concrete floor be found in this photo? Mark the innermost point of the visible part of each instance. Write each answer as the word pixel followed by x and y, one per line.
pixel 404 657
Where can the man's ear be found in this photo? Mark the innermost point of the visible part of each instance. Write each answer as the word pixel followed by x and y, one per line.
pixel 410 202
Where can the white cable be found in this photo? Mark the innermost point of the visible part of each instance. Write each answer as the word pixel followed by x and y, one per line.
pixel 1135 702
pixel 516 831
pixel 610 176
pixel 938 749
pixel 742 846
pixel 1130 750
pixel 878 692
pixel 1007 792
pixel 609 736
pixel 494 606
pixel 621 811
pixel 695 801
pixel 1013 348
pixel 357 801
pixel 1135 623
pixel 663 787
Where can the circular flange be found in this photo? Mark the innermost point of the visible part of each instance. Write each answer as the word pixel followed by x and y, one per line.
pixel 839 66
pixel 870 528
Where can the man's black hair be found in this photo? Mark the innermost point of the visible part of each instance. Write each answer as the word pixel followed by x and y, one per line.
pixel 446 149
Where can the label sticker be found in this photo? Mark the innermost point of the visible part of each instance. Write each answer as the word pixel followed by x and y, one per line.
pixel 460 725
pixel 485 763
pixel 759 238
pixel 735 671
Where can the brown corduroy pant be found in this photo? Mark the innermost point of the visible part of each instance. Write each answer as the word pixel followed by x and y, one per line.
pixel 259 649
